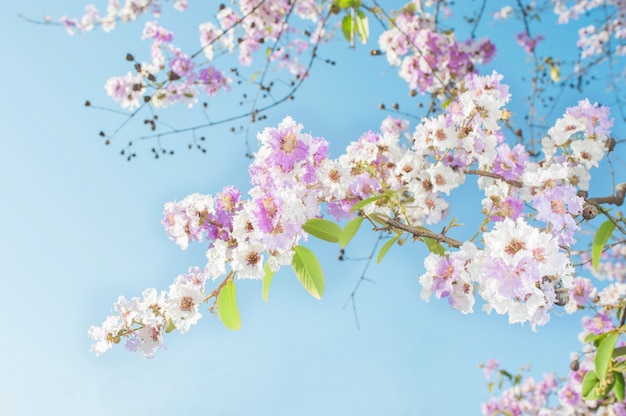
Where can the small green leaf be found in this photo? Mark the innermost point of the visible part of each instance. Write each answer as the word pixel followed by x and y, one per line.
pixel 619 351
pixel 590 382
pixel 227 306
pixel 555 73
pixel 169 325
pixel 345 4
pixel 507 375
pixel 434 246
pixel 362 26
pixel 604 354
pixel 308 271
pixel 349 231
pixel 322 229
pixel 384 249
pixel 618 387
pixel 366 202
pixel 590 338
pixel 599 240
pixel 620 367
pixel 348 28
pixel 267 281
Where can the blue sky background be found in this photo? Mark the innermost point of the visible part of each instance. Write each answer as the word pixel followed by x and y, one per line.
pixel 81 226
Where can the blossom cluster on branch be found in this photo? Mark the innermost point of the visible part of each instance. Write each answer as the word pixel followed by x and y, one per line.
pixel 522 258
pixel 519 266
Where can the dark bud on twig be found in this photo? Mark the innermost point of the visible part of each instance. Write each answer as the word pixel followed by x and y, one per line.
pixel 610 144
pixel 590 211
pixel 574 365
pixel 375 52
pixel 101 134
pixel 413 93
pixel 130 57
pixel 151 78
pixel 146 98
pixel 87 103
pixel 222 7
pixel 107 142
pixel 138 67
pixel 137 87
pixel 562 296
pixel 396 106
pixel 381 106
pixel 172 76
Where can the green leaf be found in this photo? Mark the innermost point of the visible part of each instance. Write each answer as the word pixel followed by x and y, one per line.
pixel 384 249
pixel 434 246
pixel 349 231
pixel 599 240
pixel 618 387
pixel 169 325
pixel 555 73
pixel 322 229
pixel 590 338
pixel 604 354
pixel 619 351
pixel 590 382
pixel 507 374
pixel 362 26
pixel 347 28
pixel 267 281
pixel 366 202
pixel 227 306
pixel 620 367
pixel 345 4
pixel 308 271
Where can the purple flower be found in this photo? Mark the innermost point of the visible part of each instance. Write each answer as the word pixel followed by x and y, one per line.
pixel 599 324
pixel 182 66
pixel 287 148
pixel 514 282
pixel 525 41
pixel 581 290
pixel 556 206
pixel 510 163
pixel 511 207
pixel 213 79
pixel 569 396
pixel 598 117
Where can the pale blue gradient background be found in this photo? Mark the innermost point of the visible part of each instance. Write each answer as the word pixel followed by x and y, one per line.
pixel 80 226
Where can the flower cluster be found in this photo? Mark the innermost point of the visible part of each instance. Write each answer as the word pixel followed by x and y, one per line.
pixel 594 40
pixel 143 321
pixel 519 266
pixel 564 396
pixel 129 11
pixel 173 76
pixel 430 59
